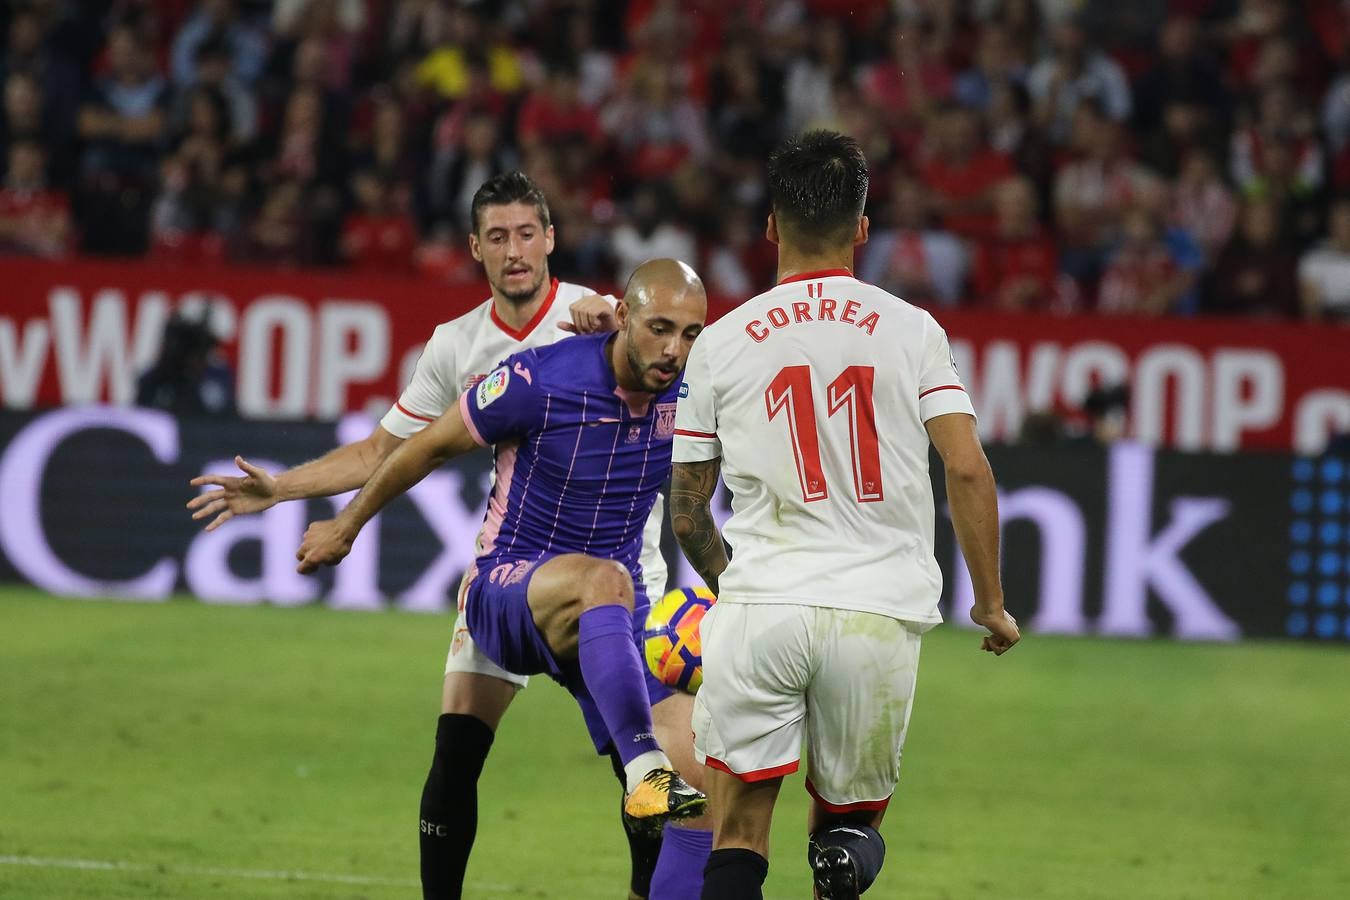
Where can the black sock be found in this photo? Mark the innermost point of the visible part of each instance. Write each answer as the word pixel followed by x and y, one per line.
pixel 734 874
pixel 643 849
pixel 864 845
pixel 450 804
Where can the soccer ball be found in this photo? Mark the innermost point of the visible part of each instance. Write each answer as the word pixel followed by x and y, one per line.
pixel 671 640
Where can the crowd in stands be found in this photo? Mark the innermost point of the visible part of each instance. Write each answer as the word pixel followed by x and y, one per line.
pixel 1142 157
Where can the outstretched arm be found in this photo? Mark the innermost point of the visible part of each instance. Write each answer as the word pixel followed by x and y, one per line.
pixel 691 489
pixel 326 543
pixel 342 469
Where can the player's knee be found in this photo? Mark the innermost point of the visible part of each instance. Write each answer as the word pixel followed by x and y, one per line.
pixel 605 583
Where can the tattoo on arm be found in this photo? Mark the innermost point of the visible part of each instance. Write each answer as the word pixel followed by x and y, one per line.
pixel 691 490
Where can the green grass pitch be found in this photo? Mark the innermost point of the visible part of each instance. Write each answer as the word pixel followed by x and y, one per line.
pixel 183 750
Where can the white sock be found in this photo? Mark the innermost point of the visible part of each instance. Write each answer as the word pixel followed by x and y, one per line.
pixel 638 766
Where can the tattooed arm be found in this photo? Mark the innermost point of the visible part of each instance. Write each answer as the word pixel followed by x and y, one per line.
pixel 691 489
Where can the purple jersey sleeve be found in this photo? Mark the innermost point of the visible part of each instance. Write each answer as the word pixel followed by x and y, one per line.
pixel 506 404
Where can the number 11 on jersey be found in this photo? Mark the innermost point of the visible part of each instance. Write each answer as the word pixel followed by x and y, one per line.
pixel 790 391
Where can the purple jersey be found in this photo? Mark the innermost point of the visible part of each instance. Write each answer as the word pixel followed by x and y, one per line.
pixel 580 461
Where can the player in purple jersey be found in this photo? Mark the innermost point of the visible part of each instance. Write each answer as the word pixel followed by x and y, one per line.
pixel 583 432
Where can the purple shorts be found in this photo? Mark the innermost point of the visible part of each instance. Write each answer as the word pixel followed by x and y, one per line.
pixel 497 612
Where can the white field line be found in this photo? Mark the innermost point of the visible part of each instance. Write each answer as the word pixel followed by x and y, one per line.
pixel 98 865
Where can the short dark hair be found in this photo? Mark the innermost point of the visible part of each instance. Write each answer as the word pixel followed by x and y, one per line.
pixel 818 186
pixel 509 187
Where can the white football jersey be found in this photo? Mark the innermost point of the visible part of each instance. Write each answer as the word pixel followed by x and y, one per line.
pixel 814 394
pixel 463 351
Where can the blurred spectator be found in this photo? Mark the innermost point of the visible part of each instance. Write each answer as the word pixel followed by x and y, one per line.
pixel 1257 272
pixel 219 23
pixel 1324 273
pixel 1076 72
pixel 654 127
pixel 553 111
pixel 912 259
pixel 809 89
pixel 24 120
pixel 34 221
pixel 738 266
pixel 278 235
pixel 646 234
pixel 1280 146
pixel 912 76
pixel 996 63
pixel 122 123
pixel 212 72
pixel 387 147
pixel 1182 70
pixel 596 72
pixel 962 172
pixel 744 126
pixel 57 80
pixel 189 378
pixel 1187 125
pixel 378 236
pixel 292 16
pixel 1093 192
pixel 1202 204
pixel 1013 134
pixel 1018 268
pixel 446 69
pixel 458 171
pixel 1143 277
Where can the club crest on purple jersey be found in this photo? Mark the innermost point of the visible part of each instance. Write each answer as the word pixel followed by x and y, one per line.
pixel 665 420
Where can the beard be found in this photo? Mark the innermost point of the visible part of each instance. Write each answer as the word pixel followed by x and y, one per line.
pixel 520 295
pixel 642 369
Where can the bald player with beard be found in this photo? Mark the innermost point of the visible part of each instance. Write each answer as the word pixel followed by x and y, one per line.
pixel 582 432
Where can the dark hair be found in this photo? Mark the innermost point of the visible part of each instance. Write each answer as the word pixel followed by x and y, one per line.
pixel 509 187
pixel 818 185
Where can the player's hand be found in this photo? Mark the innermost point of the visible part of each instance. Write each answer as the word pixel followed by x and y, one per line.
pixel 1002 627
pixel 255 492
pixel 591 314
pixel 325 543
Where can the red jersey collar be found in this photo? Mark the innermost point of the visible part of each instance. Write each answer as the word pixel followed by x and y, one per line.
pixel 820 273
pixel 524 331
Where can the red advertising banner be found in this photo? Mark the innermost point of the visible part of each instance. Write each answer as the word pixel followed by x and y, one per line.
pixel 308 344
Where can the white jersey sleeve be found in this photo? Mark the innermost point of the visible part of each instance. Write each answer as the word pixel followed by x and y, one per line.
pixel 940 387
pixel 433 388
pixel 696 416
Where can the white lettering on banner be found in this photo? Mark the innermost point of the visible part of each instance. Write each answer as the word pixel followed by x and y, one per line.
pixel 1062 535
pixel 22 468
pixel 440 499
pixel 22 359
pixel 1181 397
pixel 1248 395
pixel 364 327
pixel 1156 368
pixel 290 319
pixel 1319 416
pixel 1137 560
pixel 278 532
pixel 102 349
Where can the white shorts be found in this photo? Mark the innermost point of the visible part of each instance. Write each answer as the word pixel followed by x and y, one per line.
pixel 774 674
pixel 464 655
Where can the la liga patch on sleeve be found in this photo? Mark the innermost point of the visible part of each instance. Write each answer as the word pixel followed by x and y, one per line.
pixel 492 387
